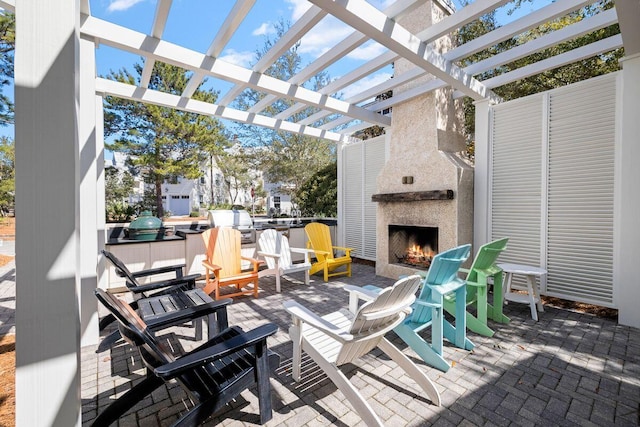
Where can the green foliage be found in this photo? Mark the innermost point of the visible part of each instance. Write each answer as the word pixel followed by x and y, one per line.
pixel 289 159
pixel 119 212
pixel 7 47
pixel 118 185
pixel 319 195
pixel 162 142
pixel 7 174
pixel 561 76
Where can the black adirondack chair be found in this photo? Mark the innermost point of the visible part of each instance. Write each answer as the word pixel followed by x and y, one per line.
pixel 213 374
pixel 160 287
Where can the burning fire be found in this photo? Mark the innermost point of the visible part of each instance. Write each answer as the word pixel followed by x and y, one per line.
pixel 419 256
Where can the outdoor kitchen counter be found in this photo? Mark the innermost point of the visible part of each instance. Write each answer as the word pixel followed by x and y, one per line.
pixel 185 246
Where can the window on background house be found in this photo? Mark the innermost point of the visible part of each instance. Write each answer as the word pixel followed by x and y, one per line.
pixel 276 202
pixel 175 197
pixel 184 197
pixel 202 180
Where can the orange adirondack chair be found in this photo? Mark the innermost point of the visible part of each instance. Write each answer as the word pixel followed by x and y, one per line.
pixel 223 263
pixel 319 237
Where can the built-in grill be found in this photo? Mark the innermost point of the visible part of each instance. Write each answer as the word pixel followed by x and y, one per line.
pixel 238 219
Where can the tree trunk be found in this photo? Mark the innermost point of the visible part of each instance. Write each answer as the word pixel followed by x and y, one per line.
pixel 159 207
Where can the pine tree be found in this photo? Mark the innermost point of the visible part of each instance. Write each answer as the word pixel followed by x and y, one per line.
pixel 162 143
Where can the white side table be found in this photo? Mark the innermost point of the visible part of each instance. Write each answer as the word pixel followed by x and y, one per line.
pixel 532 297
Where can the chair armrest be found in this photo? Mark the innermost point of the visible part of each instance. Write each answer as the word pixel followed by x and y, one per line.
pixel 357 293
pixel 159 270
pixel 307 253
pixel 302 314
pixel 347 251
pixel 256 262
pixel 175 284
pixel 206 264
pixel 301 250
pixel 427 304
pixel 269 255
pixel 248 339
pixel 189 313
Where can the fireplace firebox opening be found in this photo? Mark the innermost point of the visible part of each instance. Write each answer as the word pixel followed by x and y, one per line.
pixel 413 246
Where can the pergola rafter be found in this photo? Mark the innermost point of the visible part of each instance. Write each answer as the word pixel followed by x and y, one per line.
pixel 150 47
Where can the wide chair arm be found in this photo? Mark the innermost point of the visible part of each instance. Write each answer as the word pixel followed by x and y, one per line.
pixel 301 314
pixel 347 251
pixel 255 262
pixel 184 282
pixel 244 340
pixel 190 313
pixel 269 255
pixel 178 269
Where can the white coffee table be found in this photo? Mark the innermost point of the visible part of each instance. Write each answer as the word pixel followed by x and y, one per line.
pixel 532 297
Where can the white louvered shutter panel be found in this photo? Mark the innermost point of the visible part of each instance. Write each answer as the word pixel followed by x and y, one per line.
pixel 374 154
pixel 353 181
pixel 580 191
pixel 516 184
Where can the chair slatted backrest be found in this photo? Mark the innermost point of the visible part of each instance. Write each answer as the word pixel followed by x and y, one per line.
pixel 134 330
pixel 375 318
pixel 121 269
pixel 443 269
pixel 272 241
pixel 319 236
pixel 486 258
pixel 224 248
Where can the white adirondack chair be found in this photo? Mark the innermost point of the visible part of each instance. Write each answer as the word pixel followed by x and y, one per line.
pixel 274 248
pixel 346 335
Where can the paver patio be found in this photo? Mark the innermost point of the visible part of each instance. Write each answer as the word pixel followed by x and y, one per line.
pixel 566 369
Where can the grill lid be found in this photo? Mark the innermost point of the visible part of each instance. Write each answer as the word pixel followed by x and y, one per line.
pixel 239 219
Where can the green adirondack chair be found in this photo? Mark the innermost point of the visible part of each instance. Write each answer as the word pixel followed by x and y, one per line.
pixel 441 280
pixel 483 267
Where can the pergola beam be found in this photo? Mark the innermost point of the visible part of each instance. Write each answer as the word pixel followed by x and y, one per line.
pixel 227 30
pixel 141 44
pixel 367 19
pixel 159 22
pixel 149 96
pixel 307 21
pixel 349 43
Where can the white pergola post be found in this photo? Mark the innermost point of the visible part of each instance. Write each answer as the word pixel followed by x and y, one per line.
pixel 47 202
pixel 628 177
pixel 91 169
pixel 481 191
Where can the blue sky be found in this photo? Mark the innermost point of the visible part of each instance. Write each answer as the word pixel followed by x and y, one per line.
pixel 193 24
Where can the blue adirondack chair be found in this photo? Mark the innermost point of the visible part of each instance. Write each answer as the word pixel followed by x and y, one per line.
pixel 428 310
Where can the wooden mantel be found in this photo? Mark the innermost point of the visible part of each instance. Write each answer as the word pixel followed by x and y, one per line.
pixel 413 196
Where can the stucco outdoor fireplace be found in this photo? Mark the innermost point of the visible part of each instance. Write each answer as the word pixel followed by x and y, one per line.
pixel 426 182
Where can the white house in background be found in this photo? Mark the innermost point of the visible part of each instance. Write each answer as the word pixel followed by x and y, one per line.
pixel 181 195
pixel 119 161
pixel 278 202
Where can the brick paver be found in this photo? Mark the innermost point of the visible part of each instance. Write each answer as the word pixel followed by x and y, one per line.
pixel 566 369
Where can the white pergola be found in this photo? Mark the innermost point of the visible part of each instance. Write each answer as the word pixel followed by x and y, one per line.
pixel 59 134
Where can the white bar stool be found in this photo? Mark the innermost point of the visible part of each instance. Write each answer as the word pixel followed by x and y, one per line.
pixel 533 295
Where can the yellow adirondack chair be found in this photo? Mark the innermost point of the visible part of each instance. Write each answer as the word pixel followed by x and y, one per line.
pixel 223 263
pixel 319 237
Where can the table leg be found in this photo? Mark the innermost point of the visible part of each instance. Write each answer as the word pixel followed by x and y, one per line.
pixel 531 285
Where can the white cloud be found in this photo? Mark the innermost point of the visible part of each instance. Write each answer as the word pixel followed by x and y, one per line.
pixel 365 84
pixel 298 7
pixel 119 5
pixel 368 51
pixel 264 29
pixel 242 59
pixel 324 36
